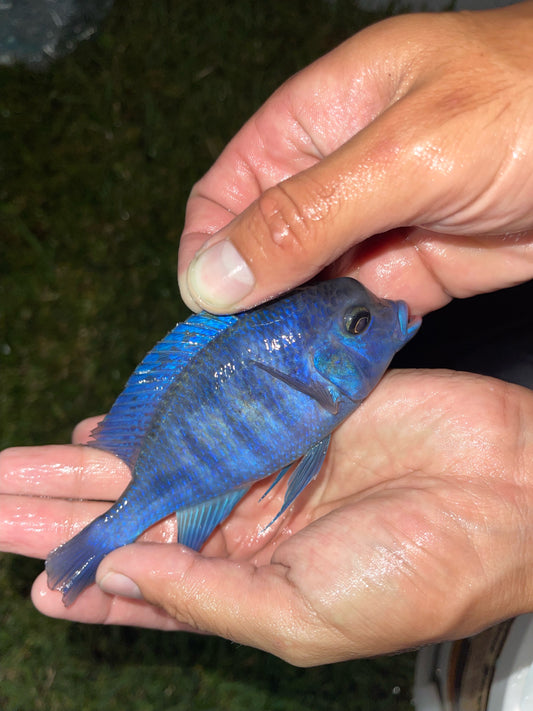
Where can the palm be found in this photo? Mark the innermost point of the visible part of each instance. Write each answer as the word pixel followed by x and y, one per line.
pixel 403 508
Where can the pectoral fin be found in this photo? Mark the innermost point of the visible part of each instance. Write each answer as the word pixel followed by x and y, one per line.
pixel 277 480
pixel 314 389
pixel 196 523
pixel 305 471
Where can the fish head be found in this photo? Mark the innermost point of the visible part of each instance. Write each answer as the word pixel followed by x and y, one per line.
pixel 364 333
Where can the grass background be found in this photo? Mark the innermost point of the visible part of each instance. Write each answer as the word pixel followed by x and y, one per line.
pixel 97 156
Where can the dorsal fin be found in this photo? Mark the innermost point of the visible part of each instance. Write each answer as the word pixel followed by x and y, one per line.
pixel 123 429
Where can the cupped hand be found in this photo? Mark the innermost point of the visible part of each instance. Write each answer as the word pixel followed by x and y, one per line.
pixel 417 529
pixel 402 158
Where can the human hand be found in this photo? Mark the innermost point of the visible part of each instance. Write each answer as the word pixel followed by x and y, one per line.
pixel 417 529
pixel 418 127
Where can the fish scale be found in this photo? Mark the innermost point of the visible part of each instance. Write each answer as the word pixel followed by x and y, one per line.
pixel 223 402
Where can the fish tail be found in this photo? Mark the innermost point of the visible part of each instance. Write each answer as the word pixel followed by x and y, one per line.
pixel 71 567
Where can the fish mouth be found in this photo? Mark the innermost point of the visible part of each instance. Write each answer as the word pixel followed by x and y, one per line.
pixel 409 326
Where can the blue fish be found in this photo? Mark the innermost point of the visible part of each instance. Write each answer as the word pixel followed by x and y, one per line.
pixel 224 401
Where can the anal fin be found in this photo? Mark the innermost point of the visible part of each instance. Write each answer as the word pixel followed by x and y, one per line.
pixel 196 523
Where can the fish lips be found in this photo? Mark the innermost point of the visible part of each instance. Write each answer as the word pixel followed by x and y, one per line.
pixel 408 326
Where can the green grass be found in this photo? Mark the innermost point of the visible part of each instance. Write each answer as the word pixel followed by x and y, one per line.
pixel 98 154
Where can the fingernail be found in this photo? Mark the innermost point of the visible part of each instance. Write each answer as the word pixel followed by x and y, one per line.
pixel 118 584
pixel 219 277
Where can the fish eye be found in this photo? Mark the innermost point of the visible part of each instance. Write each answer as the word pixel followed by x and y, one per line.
pixel 357 320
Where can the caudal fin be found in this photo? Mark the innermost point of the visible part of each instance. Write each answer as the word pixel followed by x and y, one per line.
pixel 72 566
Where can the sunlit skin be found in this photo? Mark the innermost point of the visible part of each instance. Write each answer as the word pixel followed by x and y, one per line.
pixel 421 121
pixel 418 528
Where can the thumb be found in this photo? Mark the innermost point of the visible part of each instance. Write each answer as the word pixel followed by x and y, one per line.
pixel 255 606
pixel 299 226
pixel 435 146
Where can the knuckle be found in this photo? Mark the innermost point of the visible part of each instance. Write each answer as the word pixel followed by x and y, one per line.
pixel 183 609
pixel 291 215
pixel 179 611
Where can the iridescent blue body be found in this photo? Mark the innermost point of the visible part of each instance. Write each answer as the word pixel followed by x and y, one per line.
pixel 225 401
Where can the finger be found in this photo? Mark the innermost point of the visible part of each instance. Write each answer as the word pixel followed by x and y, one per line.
pixel 307 119
pixel 382 178
pixel 297 227
pixel 62 471
pixel 257 606
pixel 427 269
pixel 35 526
pixel 82 432
pixel 300 124
pixel 96 607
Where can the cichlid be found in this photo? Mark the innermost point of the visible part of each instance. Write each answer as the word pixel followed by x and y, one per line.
pixel 224 401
